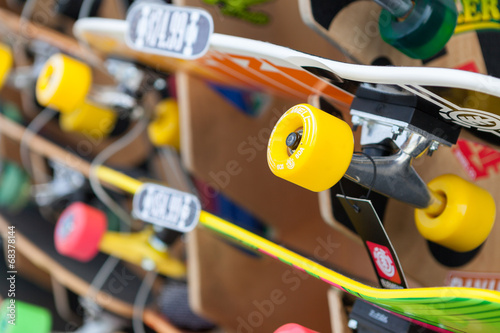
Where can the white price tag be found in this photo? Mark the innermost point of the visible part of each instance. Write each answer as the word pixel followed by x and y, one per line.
pixel 172 31
pixel 166 207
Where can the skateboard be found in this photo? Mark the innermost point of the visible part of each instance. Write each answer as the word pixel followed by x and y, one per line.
pixel 34 239
pixel 20 76
pixel 286 69
pixel 314 287
pixel 64 251
pixel 464 98
pixel 441 308
pixel 344 104
pixel 16 31
pixel 354 27
pixel 398 31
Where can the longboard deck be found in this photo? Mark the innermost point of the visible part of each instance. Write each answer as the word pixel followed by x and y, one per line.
pixel 353 27
pixel 445 308
pixel 465 98
pixel 441 308
pixel 34 239
pixel 14 30
pixel 44 148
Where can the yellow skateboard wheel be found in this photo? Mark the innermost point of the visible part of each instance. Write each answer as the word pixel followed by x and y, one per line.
pixel 466 220
pixel 310 148
pixel 164 130
pixel 6 62
pixel 89 119
pixel 63 83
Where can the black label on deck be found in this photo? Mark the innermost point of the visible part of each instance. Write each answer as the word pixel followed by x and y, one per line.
pixel 369 227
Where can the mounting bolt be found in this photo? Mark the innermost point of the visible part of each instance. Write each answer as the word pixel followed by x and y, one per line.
pixel 148 264
pixel 158 244
pixel 160 84
pixel 352 324
pixel 433 147
pixel 356 122
pixel 130 73
pixel 396 131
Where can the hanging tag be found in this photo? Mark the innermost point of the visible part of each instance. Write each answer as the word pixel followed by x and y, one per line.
pixel 369 227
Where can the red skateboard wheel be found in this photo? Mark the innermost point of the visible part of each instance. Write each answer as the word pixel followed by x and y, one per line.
pixel 79 231
pixel 293 328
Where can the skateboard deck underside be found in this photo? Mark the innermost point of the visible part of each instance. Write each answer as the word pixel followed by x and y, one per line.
pixel 457 309
pixel 353 27
pixel 120 287
pixel 445 308
pixel 465 98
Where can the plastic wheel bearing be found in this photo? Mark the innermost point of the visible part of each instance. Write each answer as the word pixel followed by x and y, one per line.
pixel 6 63
pixel 321 157
pixel 164 130
pixel 467 218
pixel 63 83
pixel 79 231
pixel 425 30
pixel 28 317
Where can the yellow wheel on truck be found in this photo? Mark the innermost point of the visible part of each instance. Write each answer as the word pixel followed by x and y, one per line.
pixel 466 218
pixel 6 62
pixel 63 83
pixel 310 148
pixel 164 129
pixel 89 119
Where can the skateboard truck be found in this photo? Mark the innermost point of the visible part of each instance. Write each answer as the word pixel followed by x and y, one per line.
pixel 404 120
pixel 399 122
pixel 396 117
pixel 64 84
pixel 65 182
pixel 81 233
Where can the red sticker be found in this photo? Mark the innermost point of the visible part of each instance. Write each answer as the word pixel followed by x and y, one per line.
pixel 470 67
pixel 480 161
pixel 384 262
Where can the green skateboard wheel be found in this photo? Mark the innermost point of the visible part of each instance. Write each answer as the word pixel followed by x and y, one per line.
pixel 21 317
pixel 14 187
pixel 425 30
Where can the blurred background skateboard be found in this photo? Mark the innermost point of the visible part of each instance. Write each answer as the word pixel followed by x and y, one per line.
pixel 355 28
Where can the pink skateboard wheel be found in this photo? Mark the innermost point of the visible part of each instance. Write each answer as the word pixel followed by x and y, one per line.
pixel 293 328
pixel 79 231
